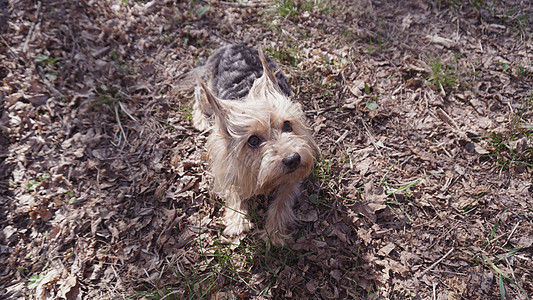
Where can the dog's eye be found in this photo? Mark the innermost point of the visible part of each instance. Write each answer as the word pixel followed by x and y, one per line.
pixel 254 141
pixel 286 127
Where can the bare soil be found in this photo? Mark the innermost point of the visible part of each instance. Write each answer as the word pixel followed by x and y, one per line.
pixel 422 109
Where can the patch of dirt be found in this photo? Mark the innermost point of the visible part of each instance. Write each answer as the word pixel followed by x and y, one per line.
pixel 423 111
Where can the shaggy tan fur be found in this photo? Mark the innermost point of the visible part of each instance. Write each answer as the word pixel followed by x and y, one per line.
pixel 258 145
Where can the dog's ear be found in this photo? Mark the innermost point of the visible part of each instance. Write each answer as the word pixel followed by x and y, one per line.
pixel 267 72
pixel 221 114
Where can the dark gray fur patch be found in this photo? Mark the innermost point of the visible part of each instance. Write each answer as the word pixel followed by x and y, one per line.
pixel 233 70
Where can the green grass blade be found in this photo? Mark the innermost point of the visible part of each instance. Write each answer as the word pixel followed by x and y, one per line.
pixel 502 287
pixel 409 184
pixel 493 231
pixel 508 254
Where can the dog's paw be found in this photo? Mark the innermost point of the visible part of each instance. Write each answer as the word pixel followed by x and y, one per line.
pixel 276 238
pixel 237 226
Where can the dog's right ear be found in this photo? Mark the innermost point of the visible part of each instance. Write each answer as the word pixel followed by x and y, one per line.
pixel 221 114
pixel 267 72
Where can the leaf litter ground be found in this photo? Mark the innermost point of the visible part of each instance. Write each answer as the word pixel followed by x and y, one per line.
pixel 422 109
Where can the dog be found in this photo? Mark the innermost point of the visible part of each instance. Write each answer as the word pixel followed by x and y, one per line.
pixel 259 144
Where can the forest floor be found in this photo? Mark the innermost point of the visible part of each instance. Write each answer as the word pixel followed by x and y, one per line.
pixel 422 109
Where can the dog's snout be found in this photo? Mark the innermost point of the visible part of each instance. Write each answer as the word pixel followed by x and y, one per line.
pixel 292 161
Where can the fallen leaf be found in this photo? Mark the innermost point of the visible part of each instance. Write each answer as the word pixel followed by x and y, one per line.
pixel 70 289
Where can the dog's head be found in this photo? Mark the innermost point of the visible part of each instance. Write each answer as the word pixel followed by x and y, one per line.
pixel 261 141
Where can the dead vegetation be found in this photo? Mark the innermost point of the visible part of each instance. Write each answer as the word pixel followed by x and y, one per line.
pixel 423 111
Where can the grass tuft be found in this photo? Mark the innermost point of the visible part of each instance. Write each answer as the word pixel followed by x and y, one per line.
pixel 501 276
pixel 287 56
pixel 293 9
pixel 324 173
pixel 513 148
pixel 442 76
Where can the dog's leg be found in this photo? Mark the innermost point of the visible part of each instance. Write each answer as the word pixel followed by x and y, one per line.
pixel 280 213
pixel 235 215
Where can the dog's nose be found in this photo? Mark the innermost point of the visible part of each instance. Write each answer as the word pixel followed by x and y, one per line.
pixel 292 161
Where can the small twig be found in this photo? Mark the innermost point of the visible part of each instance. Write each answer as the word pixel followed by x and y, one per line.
pixel 48 84
pixel 171 294
pixel 98 179
pixel 342 137
pixel 244 4
pixel 451 122
pixel 510 268
pixel 10 49
pixel 496 238
pixel 127 112
pixel 511 234
pixel 442 92
pixel 436 263
pixel 372 140
pixel 120 125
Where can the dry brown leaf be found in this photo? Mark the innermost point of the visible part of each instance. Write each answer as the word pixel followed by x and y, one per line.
pixel 373 201
pixel 69 288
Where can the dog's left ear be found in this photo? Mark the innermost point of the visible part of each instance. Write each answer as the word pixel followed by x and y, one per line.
pixel 221 114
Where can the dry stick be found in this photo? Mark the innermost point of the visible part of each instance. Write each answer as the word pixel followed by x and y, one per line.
pixel 48 84
pixel 342 137
pixel 244 4
pixel 120 126
pixel 372 140
pixel 510 268
pixel 511 234
pixel 170 294
pixel 436 263
pixel 447 119
pixel 9 48
pixel 127 112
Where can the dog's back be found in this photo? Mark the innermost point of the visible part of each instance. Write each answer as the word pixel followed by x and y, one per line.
pixel 231 71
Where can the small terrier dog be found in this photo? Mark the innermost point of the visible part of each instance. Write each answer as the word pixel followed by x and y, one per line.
pixel 260 143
